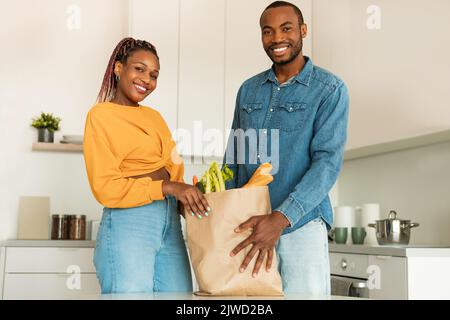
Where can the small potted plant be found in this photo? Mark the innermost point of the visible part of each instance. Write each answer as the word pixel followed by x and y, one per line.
pixel 46 124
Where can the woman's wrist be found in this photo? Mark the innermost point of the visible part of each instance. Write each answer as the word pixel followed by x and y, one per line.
pixel 167 188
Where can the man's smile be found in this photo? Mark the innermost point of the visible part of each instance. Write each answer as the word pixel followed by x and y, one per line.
pixel 279 50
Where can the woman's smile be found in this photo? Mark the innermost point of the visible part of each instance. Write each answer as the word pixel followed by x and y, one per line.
pixel 140 89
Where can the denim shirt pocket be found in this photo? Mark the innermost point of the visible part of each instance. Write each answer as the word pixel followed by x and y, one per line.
pixel 290 116
pixel 251 115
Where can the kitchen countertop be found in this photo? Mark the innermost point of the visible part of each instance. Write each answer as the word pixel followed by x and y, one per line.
pixel 192 297
pixel 394 251
pixel 49 243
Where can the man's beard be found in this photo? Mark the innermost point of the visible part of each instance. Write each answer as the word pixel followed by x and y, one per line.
pixel 295 53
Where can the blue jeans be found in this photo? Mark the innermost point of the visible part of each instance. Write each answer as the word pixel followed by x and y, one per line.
pixel 304 261
pixel 142 249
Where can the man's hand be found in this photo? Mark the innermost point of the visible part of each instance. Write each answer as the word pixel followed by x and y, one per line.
pixel 267 229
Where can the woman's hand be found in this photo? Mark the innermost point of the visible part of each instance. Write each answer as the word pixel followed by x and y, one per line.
pixel 191 198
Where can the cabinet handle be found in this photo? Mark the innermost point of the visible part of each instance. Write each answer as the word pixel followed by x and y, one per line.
pixel 344 264
pixel 383 257
pixel 359 284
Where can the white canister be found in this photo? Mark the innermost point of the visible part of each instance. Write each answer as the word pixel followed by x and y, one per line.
pixel 369 213
pixel 358 217
pixel 344 217
pixel 95 224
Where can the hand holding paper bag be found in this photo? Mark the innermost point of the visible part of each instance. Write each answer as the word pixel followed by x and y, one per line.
pixel 211 240
pixel 266 230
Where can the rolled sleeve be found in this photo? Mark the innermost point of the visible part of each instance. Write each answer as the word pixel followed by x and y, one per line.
pixel 292 210
pixel 156 190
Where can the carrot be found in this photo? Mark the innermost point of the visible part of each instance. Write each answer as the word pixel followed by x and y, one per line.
pixel 194 180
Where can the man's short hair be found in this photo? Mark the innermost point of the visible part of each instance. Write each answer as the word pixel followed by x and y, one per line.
pixel 278 4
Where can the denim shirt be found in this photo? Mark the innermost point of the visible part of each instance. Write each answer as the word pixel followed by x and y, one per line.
pixel 306 120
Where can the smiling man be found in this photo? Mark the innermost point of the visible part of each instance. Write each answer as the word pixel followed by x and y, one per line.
pixel 307 107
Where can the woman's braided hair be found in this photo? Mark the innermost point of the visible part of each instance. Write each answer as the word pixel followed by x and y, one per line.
pixel 124 49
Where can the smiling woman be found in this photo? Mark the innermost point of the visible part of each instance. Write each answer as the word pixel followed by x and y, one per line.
pixel 136 174
pixel 138 62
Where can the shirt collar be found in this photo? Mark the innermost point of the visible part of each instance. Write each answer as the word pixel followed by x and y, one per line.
pixel 303 77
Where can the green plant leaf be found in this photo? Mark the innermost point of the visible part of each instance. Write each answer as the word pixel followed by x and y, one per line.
pixel 46 121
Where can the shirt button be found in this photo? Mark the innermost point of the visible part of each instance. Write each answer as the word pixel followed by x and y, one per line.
pixel 290 109
pixel 278 89
pixel 259 156
pixel 271 110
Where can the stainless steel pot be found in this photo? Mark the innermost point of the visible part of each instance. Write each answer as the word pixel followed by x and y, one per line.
pixel 393 231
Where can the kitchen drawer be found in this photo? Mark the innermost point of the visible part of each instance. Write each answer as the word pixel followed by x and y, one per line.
pixel 350 265
pixel 48 286
pixel 391 277
pixel 48 260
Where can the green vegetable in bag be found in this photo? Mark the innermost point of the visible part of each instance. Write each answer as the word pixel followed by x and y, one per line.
pixel 214 179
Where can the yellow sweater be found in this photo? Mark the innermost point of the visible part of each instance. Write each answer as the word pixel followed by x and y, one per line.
pixel 124 141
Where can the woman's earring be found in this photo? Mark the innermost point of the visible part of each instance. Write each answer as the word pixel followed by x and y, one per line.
pixel 117 78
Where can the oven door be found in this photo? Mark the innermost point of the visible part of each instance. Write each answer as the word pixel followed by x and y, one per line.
pixel 349 287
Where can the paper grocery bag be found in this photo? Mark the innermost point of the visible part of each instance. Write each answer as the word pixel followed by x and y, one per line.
pixel 211 239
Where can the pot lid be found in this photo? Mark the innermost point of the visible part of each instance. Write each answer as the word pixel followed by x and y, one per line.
pixel 393 220
pixel 393 216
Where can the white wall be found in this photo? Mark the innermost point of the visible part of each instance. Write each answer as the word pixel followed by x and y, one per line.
pixel 47 67
pixel 398 76
pixel 415 183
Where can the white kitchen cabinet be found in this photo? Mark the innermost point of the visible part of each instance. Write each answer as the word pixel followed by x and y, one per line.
pixel 49 286
pixel 428 278
pixel 48 260
pixel 47 270
pixel 397 75
pixel 202 71
pixel 157 21
pixel 392 281
pixel 244 55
